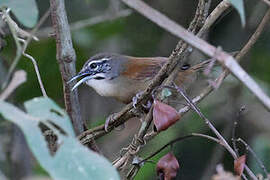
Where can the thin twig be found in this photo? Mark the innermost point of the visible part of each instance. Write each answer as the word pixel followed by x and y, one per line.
pixel 22 48
pixel 215 14
pixel 136 143
pixel 37 73
pixel 172 142
pixel 235 123
pixel 215 131
pixel 258 160
pixel 10 23
pixel 44 32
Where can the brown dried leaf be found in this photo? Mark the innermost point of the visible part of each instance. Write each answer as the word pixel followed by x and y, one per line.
pixel 167 166
pixel 239 165
pixel 164 116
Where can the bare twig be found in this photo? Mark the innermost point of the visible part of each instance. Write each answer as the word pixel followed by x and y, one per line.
pixel 254 155
pixel 37 73
pixel 215 14
pixel 10 23
pixel 214 130
pixel 44 32
pixel 224 58
pixel 18 35
pixel 18 78
pixel 32 33
pixel 172 142
pixel 235 123
pixel 136 143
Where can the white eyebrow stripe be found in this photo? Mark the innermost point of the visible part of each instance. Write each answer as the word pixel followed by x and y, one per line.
pixel 98 61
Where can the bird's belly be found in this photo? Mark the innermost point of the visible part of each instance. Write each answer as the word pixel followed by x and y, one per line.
pixel 122 90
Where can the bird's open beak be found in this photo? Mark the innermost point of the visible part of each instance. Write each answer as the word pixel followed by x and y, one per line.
pixel 86 76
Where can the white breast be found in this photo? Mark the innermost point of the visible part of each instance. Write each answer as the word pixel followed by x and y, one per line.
pixel 123 91
pixel 102 87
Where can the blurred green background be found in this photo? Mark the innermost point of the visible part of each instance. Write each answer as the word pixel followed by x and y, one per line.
pixel 137 36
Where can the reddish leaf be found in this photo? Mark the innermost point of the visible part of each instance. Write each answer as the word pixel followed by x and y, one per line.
pixel 167 167
pixel 164 116
pixel 239 165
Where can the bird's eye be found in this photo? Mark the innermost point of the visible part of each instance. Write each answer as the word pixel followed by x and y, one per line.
pixel 93 66
pixel 185 67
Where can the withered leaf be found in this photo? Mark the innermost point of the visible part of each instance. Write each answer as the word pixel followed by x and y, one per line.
pixel 167 166
pixel 164 116
pixel 239 165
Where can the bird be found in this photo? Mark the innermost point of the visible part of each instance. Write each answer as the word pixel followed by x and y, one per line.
pixel 122 77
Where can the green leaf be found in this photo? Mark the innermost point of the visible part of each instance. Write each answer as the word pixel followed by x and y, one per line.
pixel 239 6
pixel 72 160
pixel 26 11
pixel 46 109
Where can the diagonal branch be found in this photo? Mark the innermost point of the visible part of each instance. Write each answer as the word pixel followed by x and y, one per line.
pixel 66 58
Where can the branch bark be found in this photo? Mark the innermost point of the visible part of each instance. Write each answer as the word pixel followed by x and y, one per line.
pixel 66 58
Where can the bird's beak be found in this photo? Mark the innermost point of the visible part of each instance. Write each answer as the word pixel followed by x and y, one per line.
pixel 86 76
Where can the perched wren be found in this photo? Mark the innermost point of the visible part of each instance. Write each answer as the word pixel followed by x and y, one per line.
pixel 122 77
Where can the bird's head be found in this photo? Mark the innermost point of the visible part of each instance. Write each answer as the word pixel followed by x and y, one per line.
pixel 103 66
